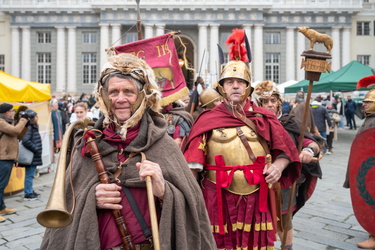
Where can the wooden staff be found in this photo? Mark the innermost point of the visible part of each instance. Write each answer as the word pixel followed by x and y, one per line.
pixel 104 178
pixel 152 208
pixel 274 195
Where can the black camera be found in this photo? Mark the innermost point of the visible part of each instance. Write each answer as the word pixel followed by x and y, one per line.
pixel 23 114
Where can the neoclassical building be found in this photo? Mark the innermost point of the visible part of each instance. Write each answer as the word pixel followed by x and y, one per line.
pixel 64 42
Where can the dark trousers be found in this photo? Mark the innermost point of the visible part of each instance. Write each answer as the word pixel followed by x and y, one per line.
pixel 350 120
pixel 330 140
pixel 5 171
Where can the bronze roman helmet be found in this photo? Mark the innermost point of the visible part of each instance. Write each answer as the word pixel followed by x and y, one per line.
pixel 370 97
pixel 238 67
pixel 208 97
pixel 368 81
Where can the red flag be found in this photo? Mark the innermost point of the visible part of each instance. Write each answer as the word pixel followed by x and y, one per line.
pixel 160 53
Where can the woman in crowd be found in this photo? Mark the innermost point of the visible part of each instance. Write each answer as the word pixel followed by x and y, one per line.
pixel 33 142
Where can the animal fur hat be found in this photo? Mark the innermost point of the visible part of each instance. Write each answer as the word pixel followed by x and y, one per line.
pixel 265 90
pixel 148 97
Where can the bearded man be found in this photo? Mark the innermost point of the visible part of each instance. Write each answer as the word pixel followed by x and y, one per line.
pixel 131 124
pixel 228 145
pixel 268 96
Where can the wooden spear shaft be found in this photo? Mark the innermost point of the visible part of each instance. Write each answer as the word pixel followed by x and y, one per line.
pixel 300 142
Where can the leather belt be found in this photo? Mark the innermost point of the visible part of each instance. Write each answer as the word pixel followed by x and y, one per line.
pixel 145 246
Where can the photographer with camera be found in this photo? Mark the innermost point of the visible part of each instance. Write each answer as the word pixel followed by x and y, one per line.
pixel 33 142
pixel 9 135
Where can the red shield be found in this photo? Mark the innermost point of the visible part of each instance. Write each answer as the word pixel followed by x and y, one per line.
pixel 362 179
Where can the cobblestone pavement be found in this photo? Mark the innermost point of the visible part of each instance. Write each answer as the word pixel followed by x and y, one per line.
pixel 325 222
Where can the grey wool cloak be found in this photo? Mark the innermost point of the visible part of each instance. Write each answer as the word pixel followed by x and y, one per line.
pixel 183 224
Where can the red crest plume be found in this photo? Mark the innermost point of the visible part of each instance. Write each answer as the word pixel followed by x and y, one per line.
pixel 237 50
pixel 368 81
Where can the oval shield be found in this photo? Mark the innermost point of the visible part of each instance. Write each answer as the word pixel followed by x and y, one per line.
pixel 362 179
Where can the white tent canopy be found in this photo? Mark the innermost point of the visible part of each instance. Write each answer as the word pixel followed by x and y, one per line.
pixel 283 85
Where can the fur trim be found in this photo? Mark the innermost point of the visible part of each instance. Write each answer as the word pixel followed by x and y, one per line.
pixel 128 64
pixel 265 89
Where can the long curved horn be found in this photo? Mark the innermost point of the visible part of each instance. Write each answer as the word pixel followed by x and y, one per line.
pixel 55 215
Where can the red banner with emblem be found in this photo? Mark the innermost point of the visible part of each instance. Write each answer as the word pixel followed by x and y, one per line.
pixel 160 53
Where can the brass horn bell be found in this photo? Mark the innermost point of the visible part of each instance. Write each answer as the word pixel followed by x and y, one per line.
pixel 55 214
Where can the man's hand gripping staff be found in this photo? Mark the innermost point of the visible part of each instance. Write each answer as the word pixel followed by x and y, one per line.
pixel 108 196
pixel 104 178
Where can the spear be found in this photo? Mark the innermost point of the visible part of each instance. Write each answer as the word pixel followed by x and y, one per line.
pixel 139 27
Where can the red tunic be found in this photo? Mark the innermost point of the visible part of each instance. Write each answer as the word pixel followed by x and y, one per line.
pixel 246 226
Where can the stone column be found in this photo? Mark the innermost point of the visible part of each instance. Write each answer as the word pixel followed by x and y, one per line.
pixel 26 54
pixel 60 62
pixel 346 46
pixel 335 52
pixel 247 27
pixel 214 57
pixel 104 43
pixel 15 59
pixel 202 48
pixel 258 53
pixel 116 34
pixel 301 46
pixel 149 30
pixel 160 29
pixel 290 55
pixel 72 65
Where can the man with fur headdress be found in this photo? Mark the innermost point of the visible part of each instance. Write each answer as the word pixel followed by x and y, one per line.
pixel 228 145
pixel 268 96
pixel 131 124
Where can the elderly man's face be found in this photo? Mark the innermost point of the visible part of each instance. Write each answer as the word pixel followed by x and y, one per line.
pixel 122 93
pixel 234 87
pixel 271 104
pixel 55 106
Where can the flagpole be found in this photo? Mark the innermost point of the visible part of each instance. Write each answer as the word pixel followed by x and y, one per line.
pixel 314 65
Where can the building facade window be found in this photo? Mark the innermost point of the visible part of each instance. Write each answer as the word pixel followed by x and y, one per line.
pixel 363 28
pixel 89 37
pixel 44 37
pixel 44 67
pixel 2 62
pixel 364 59
pixel 131 37
pixel 89 68
pixel 273 38
pixel 273 67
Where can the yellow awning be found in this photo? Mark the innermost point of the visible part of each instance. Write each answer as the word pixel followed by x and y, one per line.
pixel 13 89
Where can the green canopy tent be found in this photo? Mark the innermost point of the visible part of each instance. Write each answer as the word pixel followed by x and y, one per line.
pixel 344 79
pixel 304 84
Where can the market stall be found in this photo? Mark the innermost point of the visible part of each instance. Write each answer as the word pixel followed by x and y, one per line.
pixel 35 96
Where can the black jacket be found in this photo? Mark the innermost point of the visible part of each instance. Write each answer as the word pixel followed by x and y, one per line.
pixel 33 142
